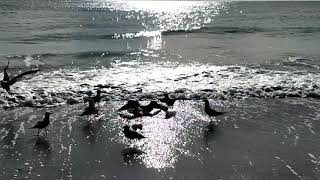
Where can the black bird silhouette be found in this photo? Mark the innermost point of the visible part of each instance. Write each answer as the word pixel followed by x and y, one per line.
pixel 209 111
pixel 153 105
pixel 44 123
pixel 7 82
pixel 170 114
pixel 5 74
pixel 138 112
pixel 167 100
pixel 136 126
pixel 97 98
pixel 91 109
pixel 131 134
pixel 130 105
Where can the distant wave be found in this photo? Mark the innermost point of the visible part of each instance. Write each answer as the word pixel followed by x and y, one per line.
pixel 145 34
pixel 63 37
pixel 236 30
pixel 78 55
pixel 215 30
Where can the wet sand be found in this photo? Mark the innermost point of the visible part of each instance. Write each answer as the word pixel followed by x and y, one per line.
pixel 256 139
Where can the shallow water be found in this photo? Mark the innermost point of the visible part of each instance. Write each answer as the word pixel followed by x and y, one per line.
pixel 258 61
pixel 256 139
pixel 141 49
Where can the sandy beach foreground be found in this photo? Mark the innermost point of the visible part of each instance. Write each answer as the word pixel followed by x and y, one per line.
pixel 256 139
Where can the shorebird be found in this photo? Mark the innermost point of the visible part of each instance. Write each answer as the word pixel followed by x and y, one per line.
pixel 5 74
pixel 210 111
pixel 131 134
pixel 44 123
pixel 167 100
pixel 7 82
pixel 136 126
pixel 138 112
pixel 97 98
pixel 153 105
pixel 91 109
pixel 130 105
pixel 170 114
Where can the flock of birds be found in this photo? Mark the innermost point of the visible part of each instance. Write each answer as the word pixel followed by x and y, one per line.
pixel 135 110
pixel 133 107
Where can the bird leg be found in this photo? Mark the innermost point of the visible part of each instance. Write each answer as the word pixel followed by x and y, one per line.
pixel 5 74
pixel 46 130
pixel 38 132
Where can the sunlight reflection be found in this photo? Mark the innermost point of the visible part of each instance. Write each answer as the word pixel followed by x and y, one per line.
pixel 161 15
pixel 159 6
pixel 155 43
pixel 166 138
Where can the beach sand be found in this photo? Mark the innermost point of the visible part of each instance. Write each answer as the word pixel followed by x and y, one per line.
pixel 256 139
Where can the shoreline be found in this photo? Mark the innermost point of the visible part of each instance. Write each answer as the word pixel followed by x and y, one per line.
pixel 257 138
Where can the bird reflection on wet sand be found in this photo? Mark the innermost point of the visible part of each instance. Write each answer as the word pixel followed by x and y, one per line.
pixel 42 144
pixel 130 155
pixel 91 129
pixel 211 132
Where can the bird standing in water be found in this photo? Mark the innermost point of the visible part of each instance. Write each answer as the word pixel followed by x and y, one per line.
pixel 136 126
pixel 7 82
pixel 91 109
pixel 166 99
pixel 153 105
pixel 131 134
pixel 44 123
pixel 210 111
pixel 97 98
pixel 138 112
pixel 131 104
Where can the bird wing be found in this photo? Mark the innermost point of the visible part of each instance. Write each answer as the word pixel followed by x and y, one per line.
pixel 136 126
pixel 140 136
pixel 124 107
pixel 89 111
pixel 39 123
pixel 20 76
pixel 127 116
pixel 5 74
pixel 153 114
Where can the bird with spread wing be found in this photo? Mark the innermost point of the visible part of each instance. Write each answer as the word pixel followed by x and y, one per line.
pixel 7 82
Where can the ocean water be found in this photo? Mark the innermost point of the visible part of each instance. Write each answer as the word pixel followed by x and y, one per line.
pixel 259 61
pixel 237 48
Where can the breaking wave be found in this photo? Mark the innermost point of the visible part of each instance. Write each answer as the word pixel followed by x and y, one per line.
pixel 146 81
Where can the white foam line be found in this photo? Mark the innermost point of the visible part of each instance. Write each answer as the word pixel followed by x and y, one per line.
pixel 309 125
pixel 28 60
pixel 70 149
pixel 312 156
pixel 21 128
pixel 62 148
pixel 289 130
pixel 6 132
pixel 296 140
pixel 290 168
pixel 14 139
pixel 30 118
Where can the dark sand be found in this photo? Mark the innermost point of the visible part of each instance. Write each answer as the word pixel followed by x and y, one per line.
pixel 256 139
